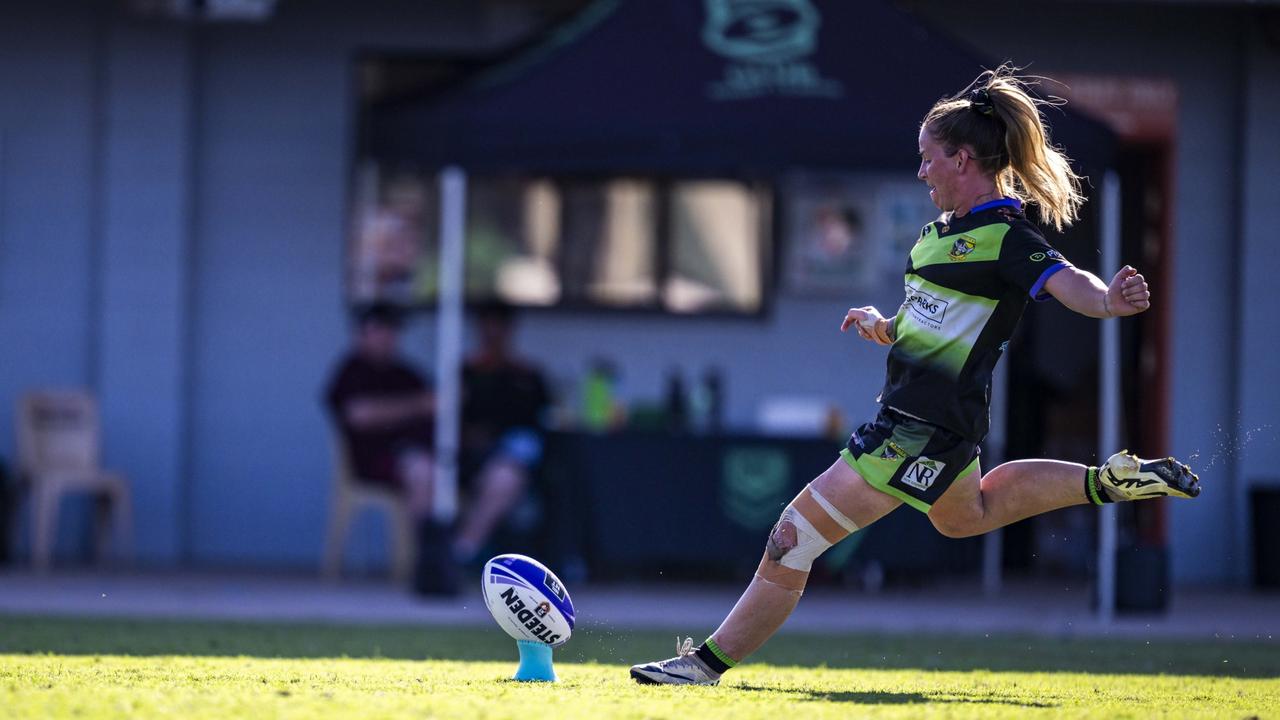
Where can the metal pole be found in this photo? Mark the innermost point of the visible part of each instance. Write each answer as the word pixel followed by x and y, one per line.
pixel 992 562
pixel 998 445
pixel 1109 397
pixel 453 205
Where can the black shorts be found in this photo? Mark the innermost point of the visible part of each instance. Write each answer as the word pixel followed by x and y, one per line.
pixel 909 459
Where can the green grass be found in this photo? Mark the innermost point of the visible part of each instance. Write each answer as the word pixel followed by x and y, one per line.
pixel 95 669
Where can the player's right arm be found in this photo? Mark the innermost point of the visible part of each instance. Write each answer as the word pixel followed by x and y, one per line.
pixel 871 325
pixel 1086 294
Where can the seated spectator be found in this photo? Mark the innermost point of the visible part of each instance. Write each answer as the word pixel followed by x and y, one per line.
pixel 384 409
pixel 504 399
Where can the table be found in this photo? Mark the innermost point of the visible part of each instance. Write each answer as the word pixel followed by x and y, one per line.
pixel 674 506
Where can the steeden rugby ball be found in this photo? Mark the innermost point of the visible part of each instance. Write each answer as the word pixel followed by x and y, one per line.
pixel 527 599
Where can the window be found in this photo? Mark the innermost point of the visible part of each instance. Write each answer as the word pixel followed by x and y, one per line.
pixel 716 233
pixel 611 242
pixel 680 246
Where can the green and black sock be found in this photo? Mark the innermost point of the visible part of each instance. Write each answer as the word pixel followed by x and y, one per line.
pixel 1093 489
pixel 713 657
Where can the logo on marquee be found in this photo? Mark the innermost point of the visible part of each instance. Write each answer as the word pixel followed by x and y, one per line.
pixel 768 44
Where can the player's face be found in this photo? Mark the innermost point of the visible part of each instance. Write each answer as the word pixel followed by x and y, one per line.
pixel 938 170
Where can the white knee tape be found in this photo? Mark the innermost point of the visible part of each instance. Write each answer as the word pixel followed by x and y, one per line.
pixel 809 542
pixel 844 522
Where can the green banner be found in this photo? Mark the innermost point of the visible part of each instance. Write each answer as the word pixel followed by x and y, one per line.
pixel 754 485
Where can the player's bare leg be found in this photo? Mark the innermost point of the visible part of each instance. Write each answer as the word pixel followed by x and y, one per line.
pixel 977 503
pixel 973 504
pixel 837 500
pixel 774 591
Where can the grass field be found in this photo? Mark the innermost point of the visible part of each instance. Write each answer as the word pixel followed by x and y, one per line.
pixel 95 669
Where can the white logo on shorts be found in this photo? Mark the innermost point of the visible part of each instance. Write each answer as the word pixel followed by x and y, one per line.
pixel 921 473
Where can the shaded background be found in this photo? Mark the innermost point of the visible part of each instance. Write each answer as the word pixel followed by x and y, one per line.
pixel 176 192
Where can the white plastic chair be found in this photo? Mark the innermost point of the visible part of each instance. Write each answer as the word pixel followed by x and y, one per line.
pixel 352 496
pixel 59 452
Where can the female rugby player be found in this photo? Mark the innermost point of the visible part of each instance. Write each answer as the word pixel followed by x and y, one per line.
pixel 983 154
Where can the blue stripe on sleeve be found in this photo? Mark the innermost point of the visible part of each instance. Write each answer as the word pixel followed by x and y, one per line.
pixel 1037 291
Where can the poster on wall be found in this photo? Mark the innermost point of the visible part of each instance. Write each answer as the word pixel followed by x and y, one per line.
pixel 903 208
pixel 850 234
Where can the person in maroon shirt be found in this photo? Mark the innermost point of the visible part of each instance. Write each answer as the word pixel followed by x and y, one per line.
pixel 384 409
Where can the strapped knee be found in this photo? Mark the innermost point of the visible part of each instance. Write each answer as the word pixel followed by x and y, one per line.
pixel 807 527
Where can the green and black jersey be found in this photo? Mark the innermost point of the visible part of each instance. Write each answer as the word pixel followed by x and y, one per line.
pixel 968 280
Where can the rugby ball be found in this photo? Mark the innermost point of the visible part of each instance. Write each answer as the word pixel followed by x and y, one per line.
pixel 527 599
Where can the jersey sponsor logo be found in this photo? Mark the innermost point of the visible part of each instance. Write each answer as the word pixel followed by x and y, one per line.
pixel 1047 254
pixel 961 248
pixel 928 309
pixel 922 473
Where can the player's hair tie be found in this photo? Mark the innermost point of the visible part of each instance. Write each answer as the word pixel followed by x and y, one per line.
pixel 980 101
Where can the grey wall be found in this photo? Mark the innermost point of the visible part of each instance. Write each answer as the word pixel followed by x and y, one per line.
pixel 143 319
pixel 48 287
pixel 1258 388
pixel 46 187
pixel 797 351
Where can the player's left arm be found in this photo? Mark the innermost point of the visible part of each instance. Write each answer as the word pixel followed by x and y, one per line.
pixel 1085 293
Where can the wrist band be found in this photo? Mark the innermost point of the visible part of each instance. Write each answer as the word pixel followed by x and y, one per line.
pixel 1106 303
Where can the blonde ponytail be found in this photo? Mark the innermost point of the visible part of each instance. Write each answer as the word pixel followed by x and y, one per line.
pixel 1000 121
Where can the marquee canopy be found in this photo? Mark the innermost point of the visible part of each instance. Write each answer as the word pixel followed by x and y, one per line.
pixel 742 87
